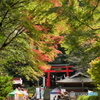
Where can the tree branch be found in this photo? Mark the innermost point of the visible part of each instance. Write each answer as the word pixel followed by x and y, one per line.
pixel 91 14
pixel 7 43
pixel 18 2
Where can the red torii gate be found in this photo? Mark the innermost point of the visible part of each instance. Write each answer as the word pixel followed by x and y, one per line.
pixel 48 80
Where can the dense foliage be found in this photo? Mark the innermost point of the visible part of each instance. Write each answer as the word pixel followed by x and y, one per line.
pixel 94 71
pixel 88 97
pixel 5 86
pixel 10 23
pixel 28 45
pixel 77 21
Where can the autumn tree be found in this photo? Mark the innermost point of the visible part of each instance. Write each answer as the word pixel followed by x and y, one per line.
pixel 77 21
pixel 28 44
pixel 22 60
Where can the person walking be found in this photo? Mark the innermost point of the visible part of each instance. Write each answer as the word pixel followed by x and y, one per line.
pixel 58 97
pixel 66 96
pixel 54 97
pixel 62 96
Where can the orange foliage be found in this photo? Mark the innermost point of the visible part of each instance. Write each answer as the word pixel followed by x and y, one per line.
pixel 41 28
pixel 56 3
pixel 41 56
pixel 44 68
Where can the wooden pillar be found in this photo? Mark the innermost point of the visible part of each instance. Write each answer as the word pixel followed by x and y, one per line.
pixel 67 73
pixel 48 80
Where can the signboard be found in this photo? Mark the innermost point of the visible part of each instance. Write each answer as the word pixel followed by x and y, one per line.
pixel 42 92
pixel 17 81
pixel 91 93
pixel 72 94
pixel 38 93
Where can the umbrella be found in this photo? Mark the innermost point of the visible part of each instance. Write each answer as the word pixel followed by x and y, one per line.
pixel 24 92
pixel 55 91
pixel 16 91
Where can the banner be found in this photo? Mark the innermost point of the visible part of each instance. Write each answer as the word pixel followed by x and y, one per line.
pixel 38 93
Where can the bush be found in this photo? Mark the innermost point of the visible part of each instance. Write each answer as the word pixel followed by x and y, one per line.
pixel 2 98
pixel 88 98
pixel 5 86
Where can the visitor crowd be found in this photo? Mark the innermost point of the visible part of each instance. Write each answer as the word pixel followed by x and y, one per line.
pixel 61 96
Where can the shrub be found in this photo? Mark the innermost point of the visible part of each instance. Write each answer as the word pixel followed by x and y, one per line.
pixel 88 97
pixel 5 86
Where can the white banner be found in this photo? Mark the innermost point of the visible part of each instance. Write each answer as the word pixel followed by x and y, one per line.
pixel 42 92
pixel 38 93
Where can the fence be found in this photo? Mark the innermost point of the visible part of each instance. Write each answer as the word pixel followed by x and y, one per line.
pixel 81 93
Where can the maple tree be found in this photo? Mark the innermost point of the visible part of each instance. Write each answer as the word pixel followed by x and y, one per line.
pixel 77 21
pixel 22 38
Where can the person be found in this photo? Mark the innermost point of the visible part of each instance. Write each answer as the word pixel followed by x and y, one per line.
pixel 58 97
pixel 34 98
pixel 66 96
pixel 54 98
pixel 62 96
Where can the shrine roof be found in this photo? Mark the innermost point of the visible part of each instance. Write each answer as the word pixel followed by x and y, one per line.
pixel 78 77
pixel 16 78
pixel 79 74
pixel 74 80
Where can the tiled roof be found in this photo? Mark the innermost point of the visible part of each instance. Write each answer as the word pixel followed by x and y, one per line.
pixel 74 80
pixel 78 77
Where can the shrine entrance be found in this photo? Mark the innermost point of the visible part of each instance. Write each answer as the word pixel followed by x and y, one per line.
pixel 57 69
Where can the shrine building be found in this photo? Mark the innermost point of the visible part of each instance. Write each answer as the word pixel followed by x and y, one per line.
pixel 65 76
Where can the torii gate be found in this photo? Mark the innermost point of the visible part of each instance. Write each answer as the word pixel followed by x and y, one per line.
pixel 48 80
